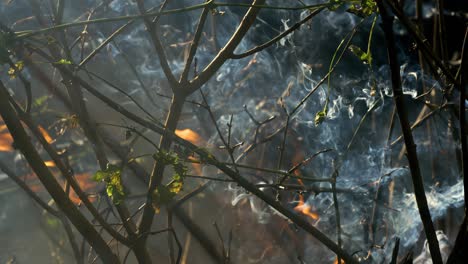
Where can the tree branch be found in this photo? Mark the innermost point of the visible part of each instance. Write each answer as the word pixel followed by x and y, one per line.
pixel 226 52
pixel 412 155
pixel 45 176
pixel 157 44
pixel 194 44
pixel 278 37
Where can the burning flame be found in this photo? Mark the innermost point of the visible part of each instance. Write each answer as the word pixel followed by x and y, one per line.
pixel 305 209
pixel 45 134
pixel 49 163
pixel 84 181
pixel 87 184
pixel 336 261
pixel 189 135
pixel 6 140
pixel 302 207
pixel 194 138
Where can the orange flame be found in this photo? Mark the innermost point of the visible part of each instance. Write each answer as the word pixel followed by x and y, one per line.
pixel 87 184
pixel 45 134
pixel 49 163
pixel 6 139
pixel 194 138
pixel 6 142
pixel 305 209
pixel 189 135
pixel 302 207
pixel 336 261
pixel 84 181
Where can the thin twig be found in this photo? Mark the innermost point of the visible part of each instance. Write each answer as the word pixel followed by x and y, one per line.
pixel 462 118
pixel 159 48
pixel 25 187
pixel 420 121
pixel 421 41
pixel 194 44
pixel 67 172
pixel 396 247
pixel 279 36
pixel 242 181
pixel 226 52
pixel 227 144
pixel 412 155
pixel 104 43
pixel 221 241
pixel 169 236
pixel 46 177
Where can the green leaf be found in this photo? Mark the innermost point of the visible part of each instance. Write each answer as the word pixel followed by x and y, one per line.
pixel 63 62
pixel 171 158
pixel 334 5
pixel 13 71
pixel 52 222
pixel 320 117
pixel 163 157
pixel 165 193
pixel 114 187
pixel 364 9
pixel 363 56
pixel 176 185
pixel 40 100
pixel 116 193
pixel 100 176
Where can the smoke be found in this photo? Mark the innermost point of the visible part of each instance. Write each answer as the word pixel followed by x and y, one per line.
pixel 407 222
pixel 272 83
pixel 368 161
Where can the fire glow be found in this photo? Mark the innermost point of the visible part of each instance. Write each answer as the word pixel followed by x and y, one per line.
pixel 302 207
pixel 49 163
pixel 87 184
pixel 336 261
pixel 189 135
pixel 305 209
pixel 45 134
pixel 6 140
pixel 84 180
pixel 194 138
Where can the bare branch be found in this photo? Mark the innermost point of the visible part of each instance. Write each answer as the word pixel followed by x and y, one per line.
pixel 46 177
pixel 194 44
pixel 157 44
pixel 412 155
pixel 226 52
pixel 279 36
